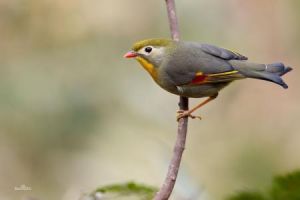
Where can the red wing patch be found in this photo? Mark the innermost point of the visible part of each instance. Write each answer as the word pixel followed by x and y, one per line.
pixel 200 78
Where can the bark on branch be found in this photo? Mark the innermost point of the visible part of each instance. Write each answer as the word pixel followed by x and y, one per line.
pixel 169 182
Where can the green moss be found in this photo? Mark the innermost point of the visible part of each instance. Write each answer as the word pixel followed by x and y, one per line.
pixel 129 189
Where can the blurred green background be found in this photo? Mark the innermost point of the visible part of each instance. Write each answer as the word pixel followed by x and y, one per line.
pixel 75 115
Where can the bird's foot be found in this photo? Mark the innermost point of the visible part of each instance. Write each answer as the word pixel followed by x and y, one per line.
pixel 186 113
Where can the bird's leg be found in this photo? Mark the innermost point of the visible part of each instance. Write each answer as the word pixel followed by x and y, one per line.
pixel 188 113
pixel 183 113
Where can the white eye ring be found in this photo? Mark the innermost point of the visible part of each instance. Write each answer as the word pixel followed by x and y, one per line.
pixel 148 49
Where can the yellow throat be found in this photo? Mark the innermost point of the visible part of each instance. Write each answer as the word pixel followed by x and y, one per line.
pixel 148 66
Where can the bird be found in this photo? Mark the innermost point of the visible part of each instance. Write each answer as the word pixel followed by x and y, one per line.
pixel 197 70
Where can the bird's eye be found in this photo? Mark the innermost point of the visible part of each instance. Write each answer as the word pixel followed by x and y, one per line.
pixel 148 49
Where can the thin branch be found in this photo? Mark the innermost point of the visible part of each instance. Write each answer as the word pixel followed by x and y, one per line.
pixel 172 19
pixel 169 182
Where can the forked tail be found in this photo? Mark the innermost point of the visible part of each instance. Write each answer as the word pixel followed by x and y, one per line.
pixel 269 72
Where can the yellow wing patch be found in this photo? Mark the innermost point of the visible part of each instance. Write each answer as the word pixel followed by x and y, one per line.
pixel 199 74
pixel 224 77
pixel 223 73
pixel 201 78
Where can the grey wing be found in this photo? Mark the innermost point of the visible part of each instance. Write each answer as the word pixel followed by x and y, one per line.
pixel 221 52
pixel 192 58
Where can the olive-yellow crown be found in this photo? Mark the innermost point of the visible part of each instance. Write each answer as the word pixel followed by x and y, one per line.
pixel 159 42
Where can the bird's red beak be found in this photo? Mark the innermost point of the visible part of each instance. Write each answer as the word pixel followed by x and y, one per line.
pixel 130 54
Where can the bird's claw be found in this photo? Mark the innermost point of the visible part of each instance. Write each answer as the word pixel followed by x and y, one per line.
pixel 185 113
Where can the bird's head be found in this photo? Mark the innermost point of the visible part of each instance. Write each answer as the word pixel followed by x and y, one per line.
pixel 150 53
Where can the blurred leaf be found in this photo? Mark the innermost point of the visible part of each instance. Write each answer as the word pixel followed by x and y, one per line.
pixel 128 190
pixel 286 187
pixel 247 196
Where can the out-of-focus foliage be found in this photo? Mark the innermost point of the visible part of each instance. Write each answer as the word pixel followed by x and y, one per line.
pixel 247 196
pixel 285 187
pixel 129 190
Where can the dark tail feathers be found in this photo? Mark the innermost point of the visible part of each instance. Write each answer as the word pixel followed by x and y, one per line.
pixel 278 68
pixel 270 72
pixel 274 71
